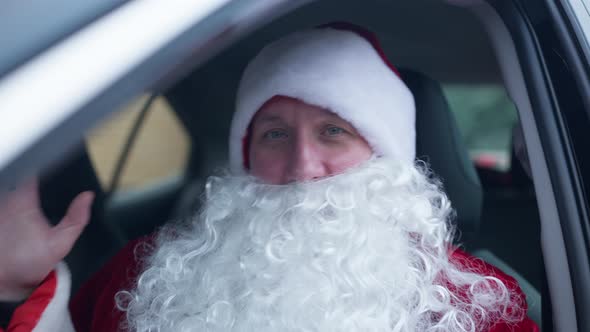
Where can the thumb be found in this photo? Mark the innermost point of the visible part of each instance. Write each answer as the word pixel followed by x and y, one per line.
pixel 71 226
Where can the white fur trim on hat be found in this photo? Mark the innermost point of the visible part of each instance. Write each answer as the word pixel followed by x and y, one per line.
pixel 335 69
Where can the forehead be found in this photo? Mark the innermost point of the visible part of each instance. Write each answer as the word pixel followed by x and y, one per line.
pixel 286 109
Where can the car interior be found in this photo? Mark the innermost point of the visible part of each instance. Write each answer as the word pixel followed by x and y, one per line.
pixel 434 45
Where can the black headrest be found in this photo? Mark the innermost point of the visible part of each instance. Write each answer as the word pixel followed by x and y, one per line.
pixel 439 143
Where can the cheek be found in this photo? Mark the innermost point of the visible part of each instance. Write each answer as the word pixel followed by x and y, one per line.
pixel 348 157
pixel 269 166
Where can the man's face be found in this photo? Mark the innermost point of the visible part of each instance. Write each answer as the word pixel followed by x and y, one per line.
pixel 294 141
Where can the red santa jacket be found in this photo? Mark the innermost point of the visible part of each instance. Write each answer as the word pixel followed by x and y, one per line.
pixel 93 308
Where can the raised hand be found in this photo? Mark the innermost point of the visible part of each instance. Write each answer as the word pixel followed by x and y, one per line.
pixel 30 247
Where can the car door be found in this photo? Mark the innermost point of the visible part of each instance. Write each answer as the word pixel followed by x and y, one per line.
pixel 551 44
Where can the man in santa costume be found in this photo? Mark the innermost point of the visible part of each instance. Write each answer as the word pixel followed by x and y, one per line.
pixel 324 222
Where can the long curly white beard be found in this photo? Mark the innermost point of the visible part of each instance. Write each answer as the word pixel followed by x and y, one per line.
pixel 366 250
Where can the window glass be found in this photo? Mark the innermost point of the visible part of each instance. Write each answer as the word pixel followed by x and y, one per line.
pixel 485 116
pixel 160 150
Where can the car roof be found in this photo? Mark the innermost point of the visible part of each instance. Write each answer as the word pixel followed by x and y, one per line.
pixel 447 42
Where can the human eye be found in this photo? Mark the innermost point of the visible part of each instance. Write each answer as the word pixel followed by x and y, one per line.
pixel 333 131
pixel 274 134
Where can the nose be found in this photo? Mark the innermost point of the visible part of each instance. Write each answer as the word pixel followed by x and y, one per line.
pixel 307 162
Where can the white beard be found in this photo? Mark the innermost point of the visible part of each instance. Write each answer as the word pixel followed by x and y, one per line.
pixel 366 250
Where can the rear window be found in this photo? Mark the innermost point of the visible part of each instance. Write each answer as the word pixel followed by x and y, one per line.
pixel 485 116
pixel 160 152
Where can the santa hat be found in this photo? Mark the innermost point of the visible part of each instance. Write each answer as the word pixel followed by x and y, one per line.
pixel 340 67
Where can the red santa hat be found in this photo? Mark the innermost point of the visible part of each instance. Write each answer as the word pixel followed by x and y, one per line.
pixel 340 67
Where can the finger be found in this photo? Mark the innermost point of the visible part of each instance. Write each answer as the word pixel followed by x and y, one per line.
pixel 79 210
pixel 65 234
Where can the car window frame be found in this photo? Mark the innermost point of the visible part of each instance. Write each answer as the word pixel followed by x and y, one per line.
pixel 557 182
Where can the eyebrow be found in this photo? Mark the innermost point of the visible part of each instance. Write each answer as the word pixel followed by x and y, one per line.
pixel 330 117
pixel 336 118
pixel 333 116
pixel 267 119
